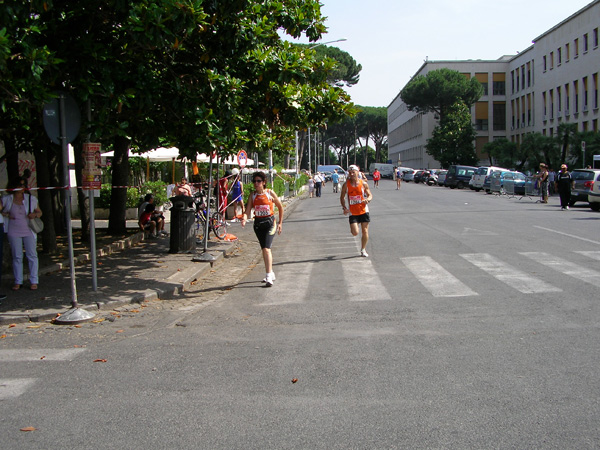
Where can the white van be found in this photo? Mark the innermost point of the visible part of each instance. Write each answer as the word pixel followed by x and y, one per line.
pixel 481 174
pixel 386 170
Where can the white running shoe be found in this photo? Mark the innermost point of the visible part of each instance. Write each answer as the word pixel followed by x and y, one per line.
pixel 566 207
pixel 364 253
pixel 269 276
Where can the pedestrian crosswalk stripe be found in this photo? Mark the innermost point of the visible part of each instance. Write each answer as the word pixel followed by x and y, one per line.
pixel 41 354
pixel 291 285
pixel 591 254
pixel 13 388
pixel 437 280
pixel 362 281
pixel 568 268
pixel 521 281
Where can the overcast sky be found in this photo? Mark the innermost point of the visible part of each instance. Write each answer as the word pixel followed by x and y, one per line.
pixel 392 38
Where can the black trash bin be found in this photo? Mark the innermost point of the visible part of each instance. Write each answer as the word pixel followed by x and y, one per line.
pixel 183 221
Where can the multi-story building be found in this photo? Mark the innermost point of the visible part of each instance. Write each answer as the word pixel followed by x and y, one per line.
pixel 553 81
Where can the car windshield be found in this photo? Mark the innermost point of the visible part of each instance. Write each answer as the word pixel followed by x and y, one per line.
pixel 583 175
pixel 481 171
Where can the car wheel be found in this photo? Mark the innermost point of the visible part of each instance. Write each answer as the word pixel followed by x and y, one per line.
pixel 477 189
pixel 595 206
pixel 460 185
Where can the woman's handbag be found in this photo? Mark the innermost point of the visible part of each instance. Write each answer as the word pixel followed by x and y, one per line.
pixel 36 224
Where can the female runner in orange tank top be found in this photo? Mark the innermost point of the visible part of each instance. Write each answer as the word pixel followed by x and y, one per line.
pixel 263 201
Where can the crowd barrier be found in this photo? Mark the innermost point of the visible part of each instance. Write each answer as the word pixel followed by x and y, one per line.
pixel 531 189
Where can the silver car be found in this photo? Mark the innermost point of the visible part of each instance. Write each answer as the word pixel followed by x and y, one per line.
pixel 583 183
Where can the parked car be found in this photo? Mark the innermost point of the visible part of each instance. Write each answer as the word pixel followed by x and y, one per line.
pixel 421 176
pixel 514 182
pixel 408 175
pixel 459 176
pixel 497 179
pixel 583 184
pixel 594 195
pixel 481 174
pixel 441 177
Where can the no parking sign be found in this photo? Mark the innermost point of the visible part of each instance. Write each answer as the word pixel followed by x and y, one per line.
pixel 242 158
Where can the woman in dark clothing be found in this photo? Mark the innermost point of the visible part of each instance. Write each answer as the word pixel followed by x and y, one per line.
pixel 563 186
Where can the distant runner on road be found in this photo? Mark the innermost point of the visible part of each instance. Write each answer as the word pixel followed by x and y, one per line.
pixel 359 195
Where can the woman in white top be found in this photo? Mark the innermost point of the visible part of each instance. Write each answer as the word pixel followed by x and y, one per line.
pixel 17 208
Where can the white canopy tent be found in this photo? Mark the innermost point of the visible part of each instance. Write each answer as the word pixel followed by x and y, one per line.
pixel 163 154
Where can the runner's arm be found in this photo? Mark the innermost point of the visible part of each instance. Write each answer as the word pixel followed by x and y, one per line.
pixel 280 209
pixel 343 197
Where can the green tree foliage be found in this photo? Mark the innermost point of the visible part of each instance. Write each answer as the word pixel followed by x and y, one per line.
pixel 537 148
pixel 502 153
pixel 346 71
pixel 452 140
pixel 439 90
pixel 592 147
pixel 202 76
pixel 372 125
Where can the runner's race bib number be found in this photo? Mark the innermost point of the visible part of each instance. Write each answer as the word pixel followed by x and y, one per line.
pixel 355 199
pixel 262 210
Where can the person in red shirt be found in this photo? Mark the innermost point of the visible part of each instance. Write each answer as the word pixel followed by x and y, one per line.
pixel 358 194
pixel 147 225
pixel 376 177
pixel 263 201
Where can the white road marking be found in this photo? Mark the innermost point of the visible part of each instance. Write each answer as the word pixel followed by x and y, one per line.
pixel 40 354
pixel 437 280
pixel 291 285
pixel 593 255
pixel 13 388
pixel 567 234
pixel 521 281
pixel 568 268
pixel 362 282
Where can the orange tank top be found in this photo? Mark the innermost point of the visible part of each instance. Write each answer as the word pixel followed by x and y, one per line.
pixel 263 204
pixel 356 198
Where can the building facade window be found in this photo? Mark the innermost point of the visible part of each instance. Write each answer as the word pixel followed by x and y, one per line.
pixel 559 97
pixel 584 82
pixel 576 96
pixel 499 88
pixel 576 47
pixel 567 51
pixel 499 111
pixel 585 42
pixel 567 100
pixel 595 37
pixel 545 62
pixel 595 99
pixel 559 56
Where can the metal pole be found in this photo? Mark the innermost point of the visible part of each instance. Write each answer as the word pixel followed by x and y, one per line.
pixel 92 218
pixel 309 168
pixel 67 196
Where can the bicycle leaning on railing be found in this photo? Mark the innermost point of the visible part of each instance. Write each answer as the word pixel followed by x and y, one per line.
pixel 217 223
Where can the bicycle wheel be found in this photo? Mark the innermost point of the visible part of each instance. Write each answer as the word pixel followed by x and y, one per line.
pixel 219 225
pixel 200 226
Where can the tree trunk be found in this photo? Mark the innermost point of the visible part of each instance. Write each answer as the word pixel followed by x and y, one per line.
pixel 117 224
pixel 49 244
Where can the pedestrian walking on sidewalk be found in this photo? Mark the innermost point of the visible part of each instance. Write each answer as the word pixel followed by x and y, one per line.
pixel 358 194
pixel 263 202
pixel 18 208
pixel 563 186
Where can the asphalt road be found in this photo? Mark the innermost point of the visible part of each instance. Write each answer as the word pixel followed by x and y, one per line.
pixel 472 324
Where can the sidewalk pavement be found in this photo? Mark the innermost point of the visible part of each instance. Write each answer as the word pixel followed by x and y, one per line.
pixel 130 271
